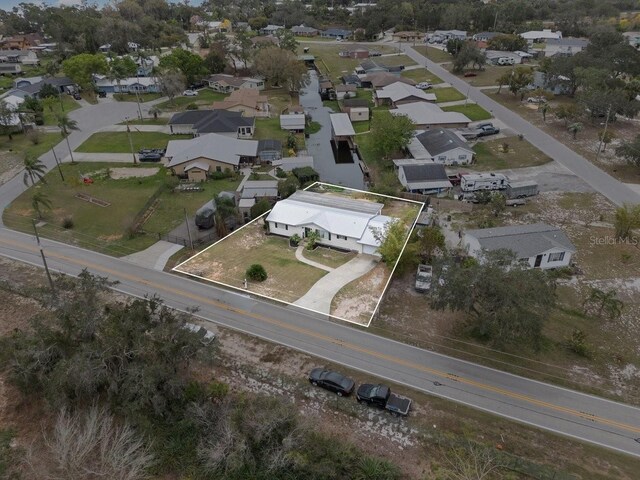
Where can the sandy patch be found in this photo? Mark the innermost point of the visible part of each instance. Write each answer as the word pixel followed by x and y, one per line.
pixel 124 172
pixel 358 299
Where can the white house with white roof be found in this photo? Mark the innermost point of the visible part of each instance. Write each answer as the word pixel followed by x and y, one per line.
pixel 340 222
pixel 541 35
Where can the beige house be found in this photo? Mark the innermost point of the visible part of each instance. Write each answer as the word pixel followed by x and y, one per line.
pixel 248 101
pixel 197 158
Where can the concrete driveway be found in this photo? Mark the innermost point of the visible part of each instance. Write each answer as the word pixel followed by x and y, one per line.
pixel 319 297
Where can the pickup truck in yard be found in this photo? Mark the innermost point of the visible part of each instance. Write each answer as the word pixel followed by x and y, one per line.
pixel 381 396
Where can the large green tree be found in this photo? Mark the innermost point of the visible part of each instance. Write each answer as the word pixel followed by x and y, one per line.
pixel 81 68
pixel 504 301
pixel 390 133
pixel 630 151
pixel 189 64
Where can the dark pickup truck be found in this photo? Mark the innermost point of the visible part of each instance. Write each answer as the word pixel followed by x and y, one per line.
pixel 380 396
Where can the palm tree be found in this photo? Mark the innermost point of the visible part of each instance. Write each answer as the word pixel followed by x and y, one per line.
pixel 574 128
pixel 155 111
pixel 39 199
pixel 605 302
pixel 627 218
pixel 66 125
pixel 34 170
pixel 544 108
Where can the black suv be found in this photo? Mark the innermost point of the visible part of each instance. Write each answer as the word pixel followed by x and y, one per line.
pixel 150 154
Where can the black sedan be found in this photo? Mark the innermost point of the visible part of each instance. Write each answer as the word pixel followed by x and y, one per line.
pixel 333 381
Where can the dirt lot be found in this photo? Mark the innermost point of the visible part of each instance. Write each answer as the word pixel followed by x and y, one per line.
pixel 417 444
pixel 587 140
pixel 614 345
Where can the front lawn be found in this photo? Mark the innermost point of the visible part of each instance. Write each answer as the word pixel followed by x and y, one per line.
pixel 491 155
pixel 472 110
pixel 204 99
pixel 226 262
pixel 131 97
pixel 395 60
pixel 328 256
pixel 447 94
pixel 269 129
pixel 490 75
pixel 168 212
pixel 421 75
pixel 331 64
pixel 118 142
pixel 434 54
pixel 13 152
pixel 147 121
pixel 65 104
pixel 94 227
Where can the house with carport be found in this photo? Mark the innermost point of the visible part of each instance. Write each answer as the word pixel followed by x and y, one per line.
pixel 339 222
pixel 422 176
pixel 441 145
pixel 247 101
pixel 399 93
pixel 224 83
pixel 537 246
pixel 197 158
pixel 427 115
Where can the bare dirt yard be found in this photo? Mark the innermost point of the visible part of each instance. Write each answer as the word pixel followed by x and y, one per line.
pixel 124 172
pixel 419 444
pixel 610 367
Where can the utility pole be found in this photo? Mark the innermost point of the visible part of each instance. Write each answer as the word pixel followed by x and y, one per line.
pixel 138 97
pixel 466 100
pixel 126 119
pixel 57 163
pixel 186 220
pixel 604 132
pixel 495 20
pixel 44 260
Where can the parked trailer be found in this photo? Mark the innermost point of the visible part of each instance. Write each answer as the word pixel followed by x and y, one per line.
pixel 474 182
pixel 524 189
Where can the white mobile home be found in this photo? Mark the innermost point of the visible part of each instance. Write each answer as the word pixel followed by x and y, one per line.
pixel 340 222
pixel 473 182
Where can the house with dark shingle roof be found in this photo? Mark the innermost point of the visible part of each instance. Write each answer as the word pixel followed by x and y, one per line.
pixel 442 146
pixel 304 31
pixel 223 122
pixel 336 33
pixel 538 245
pixel 422 176
pixel 62 84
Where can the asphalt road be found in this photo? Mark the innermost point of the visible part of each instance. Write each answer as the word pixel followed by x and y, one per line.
pixel 584 417
pixel 614 190
pixel 90 119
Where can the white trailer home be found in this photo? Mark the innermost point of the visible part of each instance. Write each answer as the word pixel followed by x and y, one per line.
pixel 473 182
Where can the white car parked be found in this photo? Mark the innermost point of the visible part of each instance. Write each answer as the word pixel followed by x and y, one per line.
pixel 206 337
pixel 424 85
pixel 190 93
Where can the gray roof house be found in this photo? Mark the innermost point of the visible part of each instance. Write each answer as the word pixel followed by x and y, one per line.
pixel 199 122
pixel 336 32
pixel 442 146
pixel 210 152
pixel 564 46
pixel 485 36
pixel 303 30
pixel 428 115
pixel 424 177
pixel 538 245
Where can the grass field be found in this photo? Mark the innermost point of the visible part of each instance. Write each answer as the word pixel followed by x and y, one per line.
pixel 447 94
pixel 204 98
pixel 168 212
pixel 65 105
pixel 489 76
pixel 434 54
pixel 95 227
pixel 13 152
pixel 473 111
pixel 147 121
pixel 131 97
pixel 327 256
pixel 118 142
pixel 269 129
pixel 490 155
pixel 421 75
pixel 227 261
pixel 335 66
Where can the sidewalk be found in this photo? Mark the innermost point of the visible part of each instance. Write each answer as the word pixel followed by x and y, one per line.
pixel 456 102
pixel 100 157
pixel 300 256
